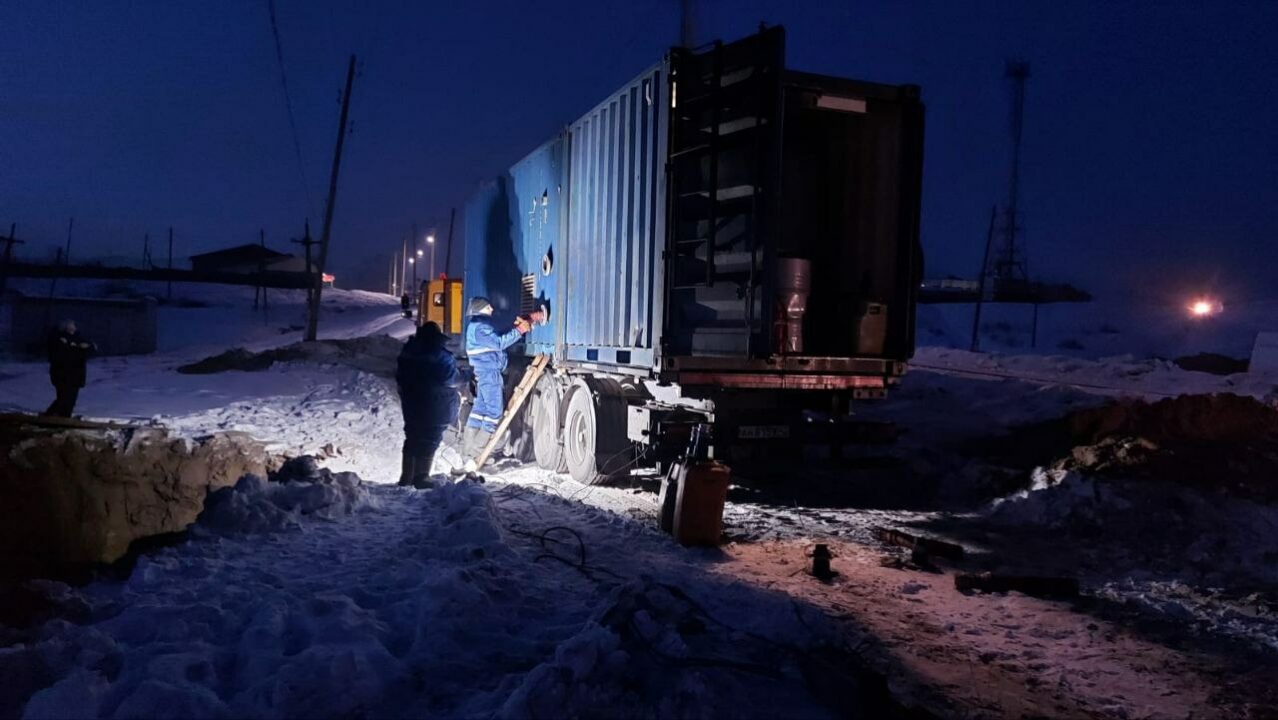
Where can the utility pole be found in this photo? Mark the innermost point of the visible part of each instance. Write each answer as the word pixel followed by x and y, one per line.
pixel 413 258
pixel 9 242
pixel 66 257
pixel 312 325
pixel 403 268
pixel 146 251
pixel 261 270
pixel 448 254
pixel 981 288
pixel 306 242
pixel 53 284
pixel 170 263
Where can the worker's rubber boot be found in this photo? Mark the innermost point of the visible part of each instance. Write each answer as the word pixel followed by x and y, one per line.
pixel 468 450
pixel 408 468
pixel 479 441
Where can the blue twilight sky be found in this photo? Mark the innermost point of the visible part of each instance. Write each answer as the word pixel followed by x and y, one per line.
pixel 1150 154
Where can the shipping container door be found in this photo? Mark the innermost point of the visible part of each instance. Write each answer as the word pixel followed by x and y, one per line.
pixel 724 145
pixel 615 227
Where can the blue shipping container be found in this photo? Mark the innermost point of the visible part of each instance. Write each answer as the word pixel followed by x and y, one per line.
pixel 658 228
pixel 611 160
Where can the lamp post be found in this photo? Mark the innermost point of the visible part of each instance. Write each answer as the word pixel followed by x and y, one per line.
pixel 415 287
pixel 413 261
pixel 430 240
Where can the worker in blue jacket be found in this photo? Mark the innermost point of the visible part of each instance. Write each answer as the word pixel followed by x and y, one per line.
pixel 486 350
pixel 428 380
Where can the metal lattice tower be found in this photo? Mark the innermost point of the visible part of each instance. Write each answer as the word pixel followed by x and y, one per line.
pixel 1009 262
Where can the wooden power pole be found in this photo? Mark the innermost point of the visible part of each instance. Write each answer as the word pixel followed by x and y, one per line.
pixel 312 322
pixel 307 242
pixel 170 262
pixel 982 288
pixel 9 242
pixel 448 254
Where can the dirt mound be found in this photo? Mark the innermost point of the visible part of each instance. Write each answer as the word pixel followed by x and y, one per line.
pixel 1213 363
pixel 375 354
pixel 1220 443
pixel 81 496
pixel 1183 419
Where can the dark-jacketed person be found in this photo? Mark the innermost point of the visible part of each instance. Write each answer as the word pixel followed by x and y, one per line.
pixel 406 305
pixel 428 379
pixel 68 367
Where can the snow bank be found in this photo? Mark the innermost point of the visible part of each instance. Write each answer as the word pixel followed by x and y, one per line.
pixel 1057 498
pixel 374 353
pixel 1251 615
pixel 411 603
pixel 653 651
pixel 299 490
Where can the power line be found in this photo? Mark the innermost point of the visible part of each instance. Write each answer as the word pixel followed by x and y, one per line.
pixel 288 103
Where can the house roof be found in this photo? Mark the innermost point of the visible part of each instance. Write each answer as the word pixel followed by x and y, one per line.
pixel 241 253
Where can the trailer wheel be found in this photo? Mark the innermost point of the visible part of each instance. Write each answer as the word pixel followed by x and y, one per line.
pixel 595 432
pixel 544 411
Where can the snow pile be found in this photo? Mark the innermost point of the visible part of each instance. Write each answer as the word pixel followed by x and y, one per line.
pixel 412 605
pixel 654 651
pixel 300 489
pixel 1251 616
pixel 1057 498
pixel 1178 552
pixel 375 354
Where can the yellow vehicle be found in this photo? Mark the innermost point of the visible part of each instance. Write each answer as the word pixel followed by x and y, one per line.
pixel 440 301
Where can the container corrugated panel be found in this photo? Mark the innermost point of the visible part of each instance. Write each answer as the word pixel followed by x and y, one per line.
pixel 512 237
pixel 616 225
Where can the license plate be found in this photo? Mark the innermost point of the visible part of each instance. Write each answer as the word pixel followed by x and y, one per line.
pixel 763 432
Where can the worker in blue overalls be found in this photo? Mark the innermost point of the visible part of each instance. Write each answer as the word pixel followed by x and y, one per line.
pixel 486 350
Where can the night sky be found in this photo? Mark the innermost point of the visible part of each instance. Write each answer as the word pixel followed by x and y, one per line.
pixel 1150 155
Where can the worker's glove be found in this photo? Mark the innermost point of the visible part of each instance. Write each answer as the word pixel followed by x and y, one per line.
pixel 537 317
pixel 522 325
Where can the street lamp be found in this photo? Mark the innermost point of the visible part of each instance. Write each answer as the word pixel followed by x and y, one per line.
pixel 413 261
pixel 430 240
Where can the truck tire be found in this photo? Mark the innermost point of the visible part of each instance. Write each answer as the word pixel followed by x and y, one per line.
pixel 594 433
pixel 544 412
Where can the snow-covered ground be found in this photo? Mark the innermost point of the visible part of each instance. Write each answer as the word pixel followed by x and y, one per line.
pixel 534 596
pixel 1138 326
pixel 400 603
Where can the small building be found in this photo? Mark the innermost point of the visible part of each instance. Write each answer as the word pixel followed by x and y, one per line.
pixel 246 259
pixel 118 326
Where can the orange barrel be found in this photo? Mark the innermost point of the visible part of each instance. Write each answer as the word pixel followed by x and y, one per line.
pixel 702 492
